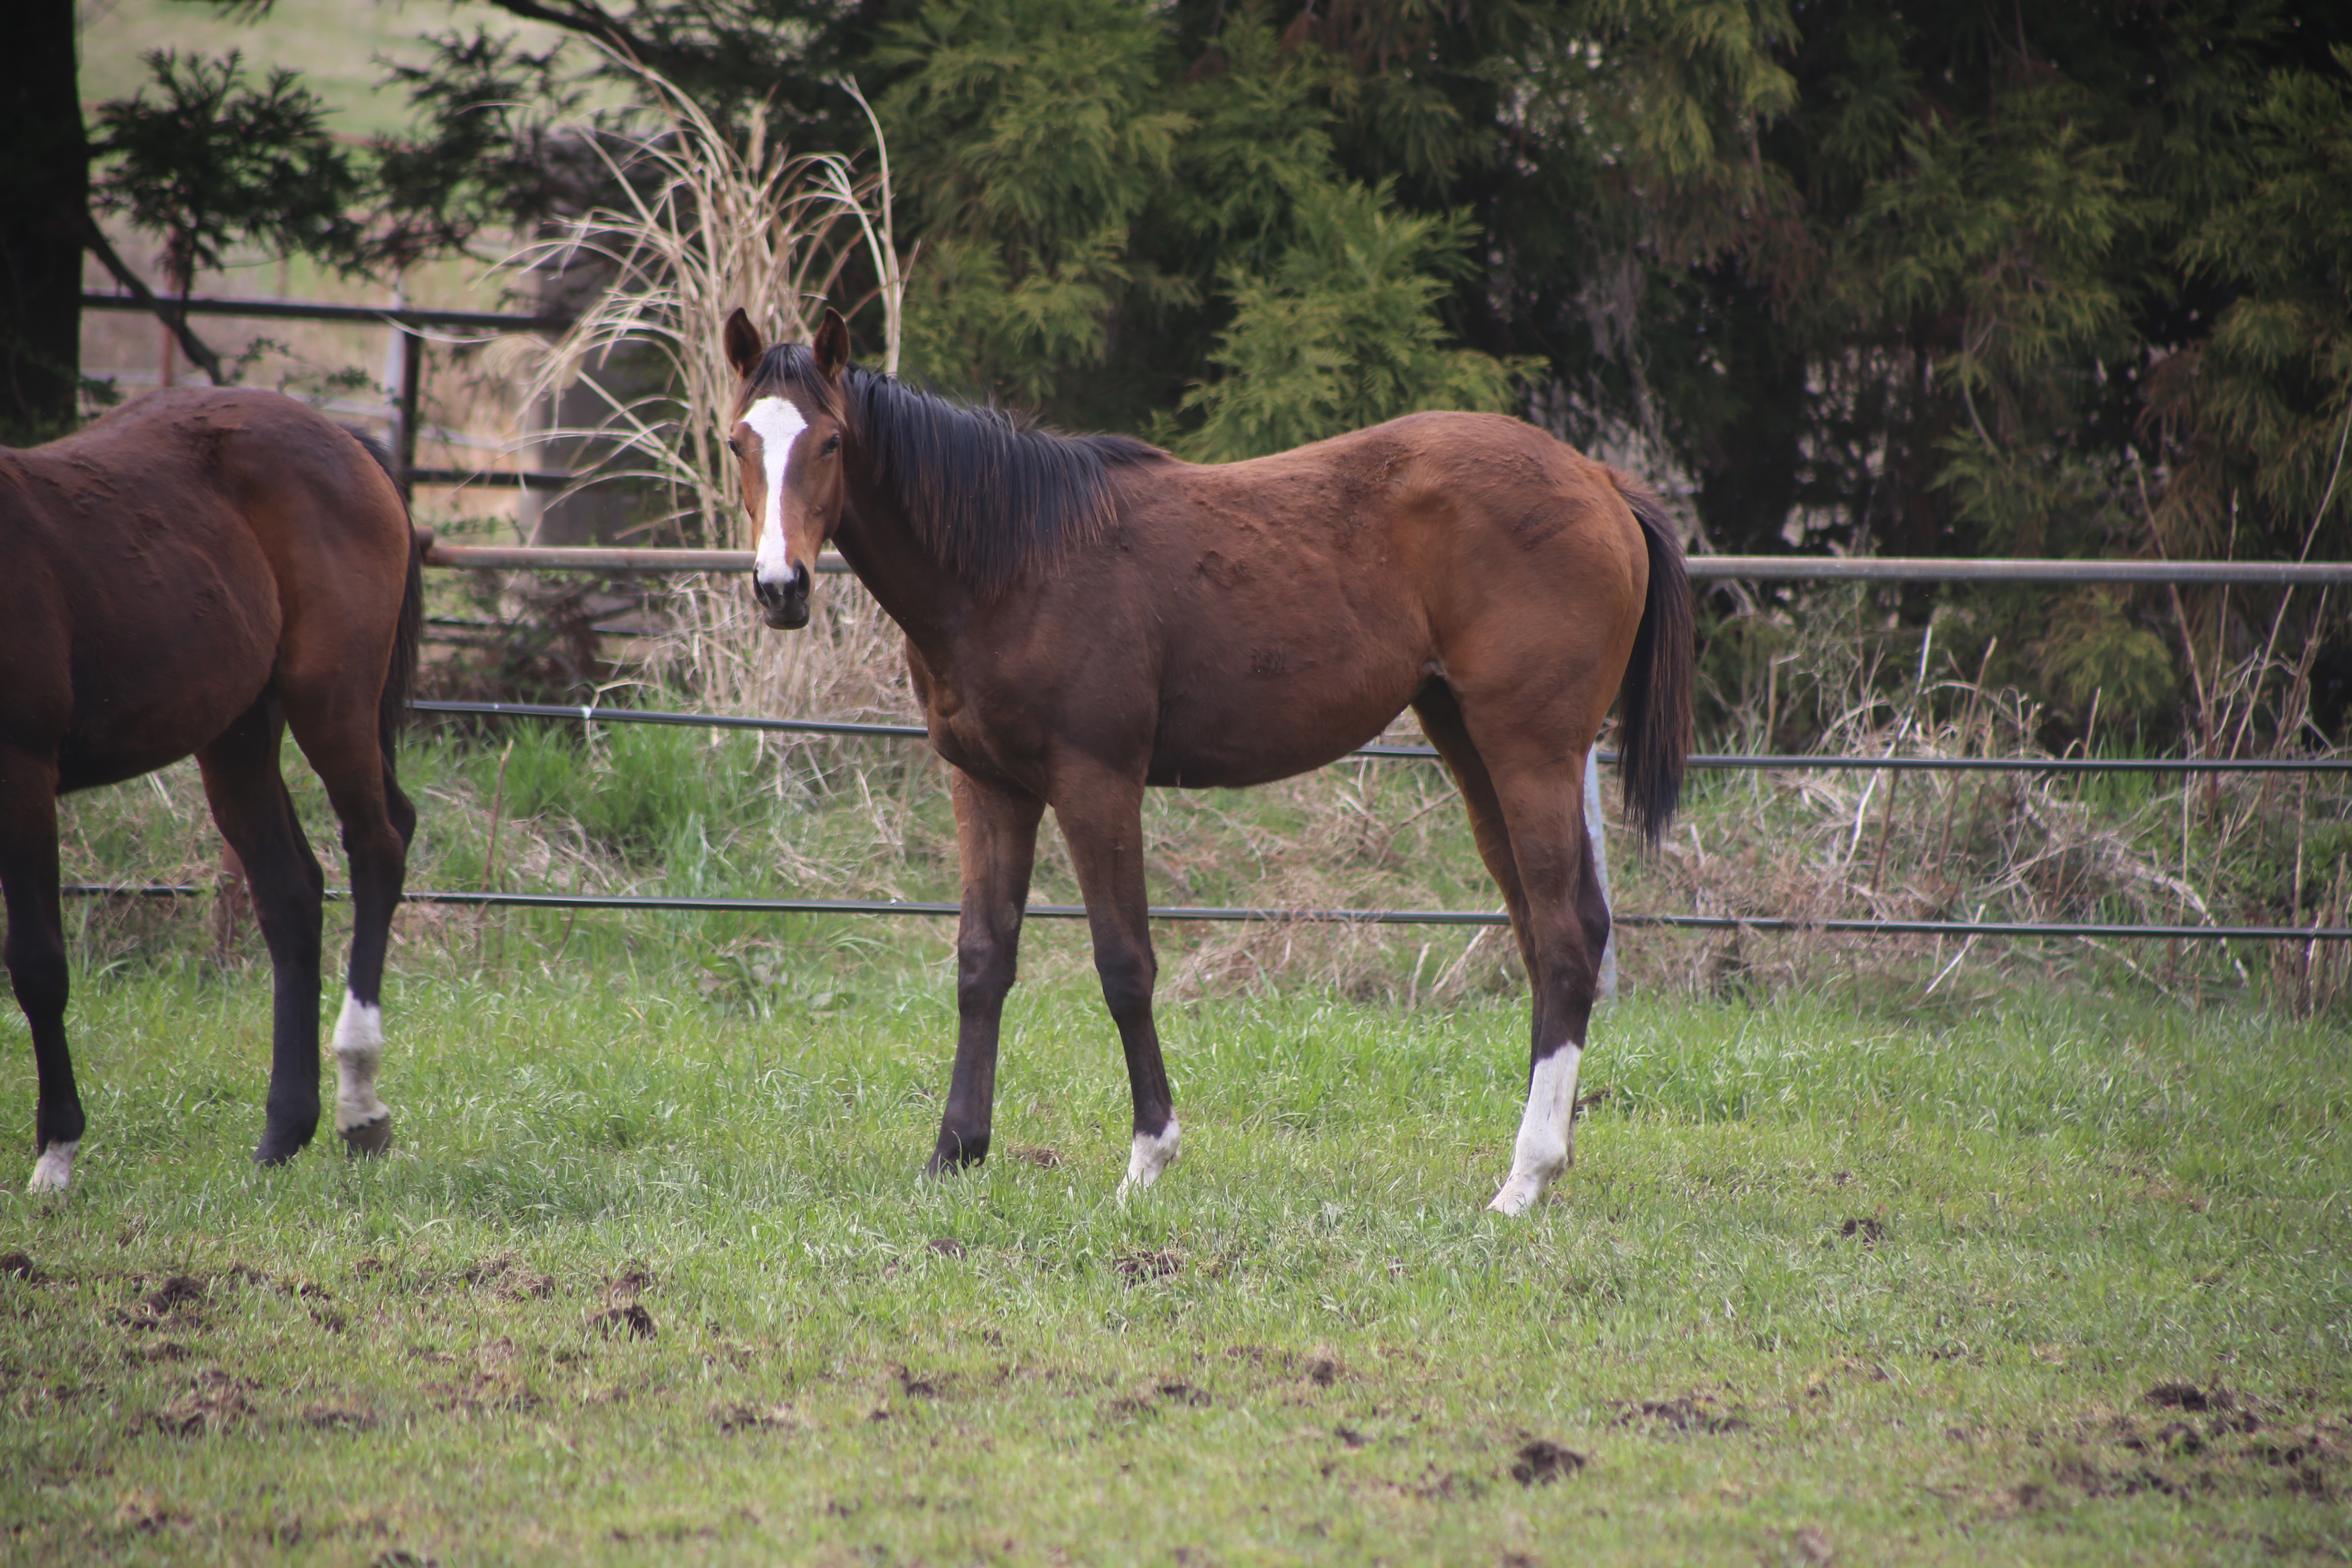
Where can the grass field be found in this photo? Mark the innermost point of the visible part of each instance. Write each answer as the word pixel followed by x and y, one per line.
pixel 652 1280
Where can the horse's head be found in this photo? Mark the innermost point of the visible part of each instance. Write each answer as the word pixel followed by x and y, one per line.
pixel 786 435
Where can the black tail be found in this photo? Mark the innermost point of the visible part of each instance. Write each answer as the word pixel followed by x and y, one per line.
pixel 1654 704
pixel 400 679
pixel 408 638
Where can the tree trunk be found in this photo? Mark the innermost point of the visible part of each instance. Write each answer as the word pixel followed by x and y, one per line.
pixel 44 210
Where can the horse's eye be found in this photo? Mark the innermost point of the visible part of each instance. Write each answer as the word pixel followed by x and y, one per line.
pixel 734 446
pixel 832 445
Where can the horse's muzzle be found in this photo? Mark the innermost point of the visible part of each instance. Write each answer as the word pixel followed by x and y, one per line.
pixel 784 601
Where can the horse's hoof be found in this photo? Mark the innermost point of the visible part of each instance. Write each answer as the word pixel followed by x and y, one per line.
pixel 368 1137
pixel 954 1155
pixel 1518 1195
pixel 53 1172
pixel 276 1148
pixel 1151 1153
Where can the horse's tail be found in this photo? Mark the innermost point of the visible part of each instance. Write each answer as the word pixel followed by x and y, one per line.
pixel 408 636
pixel 408 642
pixel 1655 703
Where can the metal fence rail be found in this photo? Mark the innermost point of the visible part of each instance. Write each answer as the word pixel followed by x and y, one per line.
pixel 1702 568
pixel 658 902
pixel 595 715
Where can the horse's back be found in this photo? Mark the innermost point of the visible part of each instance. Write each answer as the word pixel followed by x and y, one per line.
pixel 158 557
pixel 1300 600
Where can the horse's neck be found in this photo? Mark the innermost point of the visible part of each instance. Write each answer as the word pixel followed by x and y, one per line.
pixel 913 588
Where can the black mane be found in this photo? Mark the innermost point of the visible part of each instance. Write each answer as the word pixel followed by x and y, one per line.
pixel 987 495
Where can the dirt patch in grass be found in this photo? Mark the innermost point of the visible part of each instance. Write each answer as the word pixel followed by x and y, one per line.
pixel 2188 1396
pixel 485 1392
pixel 1543 1461
pixel 505 1276
pixel 338 1418
pixel 755 1418
pixel 1128 1407
pixel 177 1303
pixel 145 1513
pixel 629 1284
pixel 215 1402
pixel 1035 1155
pixel 1683 1413
pixel 1138 1267
pixel 20 1266
pixel 2212 1441
pixel 631 1319
pixel 157 1351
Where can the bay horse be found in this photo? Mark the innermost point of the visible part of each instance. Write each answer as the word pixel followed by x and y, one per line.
pixel 196 573
pixel 1087 617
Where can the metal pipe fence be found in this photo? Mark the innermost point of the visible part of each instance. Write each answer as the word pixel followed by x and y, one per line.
pixel 687 903
pixel 1765 761
pixel 1963 930
pixel 1702 568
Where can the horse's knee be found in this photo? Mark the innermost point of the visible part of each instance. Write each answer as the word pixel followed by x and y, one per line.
pixel 37 971
pixel 1128 977
pixel 985 969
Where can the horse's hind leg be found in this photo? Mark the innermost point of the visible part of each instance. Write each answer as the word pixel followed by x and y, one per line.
pixel 1534 844
pixel 996 839
pixel 1526 798
pixel 1567 928
pixel 1441 720
pixel 256 817
pixel 339 733
pixel 36 955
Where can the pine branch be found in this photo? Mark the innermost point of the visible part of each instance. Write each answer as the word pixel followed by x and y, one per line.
pixel 170 315
pixel 592 21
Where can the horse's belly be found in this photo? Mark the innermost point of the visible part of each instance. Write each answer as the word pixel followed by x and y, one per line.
pixel 1231 744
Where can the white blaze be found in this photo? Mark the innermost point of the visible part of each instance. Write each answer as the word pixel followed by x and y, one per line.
pixel 778 424
pixel 1547 1138
pixel 1150 1156
pixel 358 1047
pixel 53 1172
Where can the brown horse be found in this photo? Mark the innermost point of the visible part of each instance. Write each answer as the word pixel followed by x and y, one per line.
pixel 1087 617
pixel 195 574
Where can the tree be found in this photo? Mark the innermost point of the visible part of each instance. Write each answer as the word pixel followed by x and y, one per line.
pixel 43 214
pixel 1338 334
pixel 211 161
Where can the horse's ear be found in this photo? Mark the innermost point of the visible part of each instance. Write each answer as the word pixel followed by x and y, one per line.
pixel 742 340
pixel 832 345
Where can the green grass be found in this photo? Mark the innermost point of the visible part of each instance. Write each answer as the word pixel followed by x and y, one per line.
pixel 1892 1289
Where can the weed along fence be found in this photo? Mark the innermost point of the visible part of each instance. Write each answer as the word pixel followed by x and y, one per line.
pixel 463 557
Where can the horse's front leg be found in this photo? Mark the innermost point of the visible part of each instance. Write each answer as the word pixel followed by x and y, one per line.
pixel 35 954
pixel 1102 817
pixel 996 840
